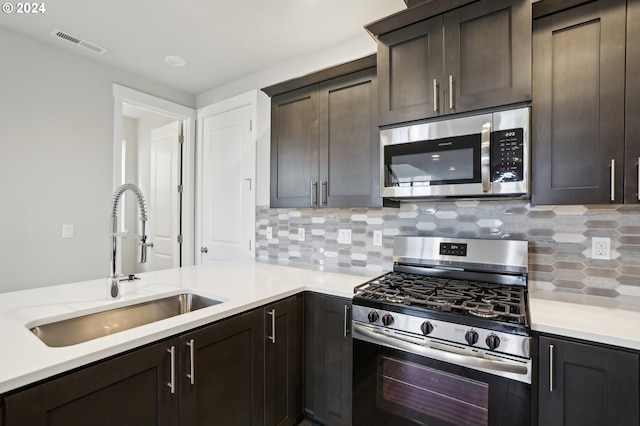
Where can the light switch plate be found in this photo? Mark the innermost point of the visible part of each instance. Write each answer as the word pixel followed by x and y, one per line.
pixel 301 234
pixel 377 237
pixel 269 233
pixel 67 231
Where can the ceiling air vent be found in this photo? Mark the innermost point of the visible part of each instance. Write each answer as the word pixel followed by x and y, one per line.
pixel 78 41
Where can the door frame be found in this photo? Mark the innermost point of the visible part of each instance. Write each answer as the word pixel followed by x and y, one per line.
pixel 250 99
pixel 187 116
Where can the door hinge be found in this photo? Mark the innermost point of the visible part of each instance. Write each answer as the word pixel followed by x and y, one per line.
pixel 249 245
pixel 181 139
pixel 179 239
pixel 180 189
pixel 250 125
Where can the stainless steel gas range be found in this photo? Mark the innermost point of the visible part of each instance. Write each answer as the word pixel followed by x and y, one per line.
pixel 444 339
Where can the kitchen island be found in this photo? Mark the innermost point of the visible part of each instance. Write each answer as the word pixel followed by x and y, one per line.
pixel 241 285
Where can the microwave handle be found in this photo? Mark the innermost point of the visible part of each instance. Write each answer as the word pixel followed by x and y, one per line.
pixel 485 157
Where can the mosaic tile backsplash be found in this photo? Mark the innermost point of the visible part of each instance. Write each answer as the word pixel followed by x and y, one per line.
pixel 560 239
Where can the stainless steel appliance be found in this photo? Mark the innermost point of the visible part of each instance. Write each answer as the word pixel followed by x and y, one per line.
pixel 484 155
pixel 444 339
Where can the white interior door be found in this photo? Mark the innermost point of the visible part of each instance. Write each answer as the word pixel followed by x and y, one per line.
pixel 164 201
pixel 228 186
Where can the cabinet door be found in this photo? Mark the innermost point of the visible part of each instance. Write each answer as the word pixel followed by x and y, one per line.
pixel 410 72
pixel 227 371
pixel 294 149
pixel 632 124
pixel 578 105
pixel 128 390
pixel 488 55
pixel 283 362
pixel 585 385
pixel 328 359
pixel 349 141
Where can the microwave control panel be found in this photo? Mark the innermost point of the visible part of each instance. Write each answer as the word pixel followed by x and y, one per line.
pixel 507 155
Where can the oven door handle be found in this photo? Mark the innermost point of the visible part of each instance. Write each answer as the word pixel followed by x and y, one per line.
pixel 441 354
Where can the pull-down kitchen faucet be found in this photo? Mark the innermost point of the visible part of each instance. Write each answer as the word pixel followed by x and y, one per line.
pixel 115 277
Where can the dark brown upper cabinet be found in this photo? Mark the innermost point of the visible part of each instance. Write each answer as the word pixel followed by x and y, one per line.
pixel 632 106
pixel 324 138
pixel 578 112
pixel 472 57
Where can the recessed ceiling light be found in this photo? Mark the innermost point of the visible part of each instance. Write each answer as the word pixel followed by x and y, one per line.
pixel 175 61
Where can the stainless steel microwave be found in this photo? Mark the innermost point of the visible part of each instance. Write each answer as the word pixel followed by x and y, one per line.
pixel 485 155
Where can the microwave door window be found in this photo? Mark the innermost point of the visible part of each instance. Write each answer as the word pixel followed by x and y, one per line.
pixel 431 168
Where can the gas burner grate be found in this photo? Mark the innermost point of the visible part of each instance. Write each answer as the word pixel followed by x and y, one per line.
pixel 466 297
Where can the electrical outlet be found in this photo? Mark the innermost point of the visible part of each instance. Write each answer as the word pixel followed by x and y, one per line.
pixel 300 234
pixel 601 248
pixel 344 236
pixel 377 237
pixel 269 233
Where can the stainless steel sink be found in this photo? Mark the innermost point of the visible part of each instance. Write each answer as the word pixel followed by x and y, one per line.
pixel 88 327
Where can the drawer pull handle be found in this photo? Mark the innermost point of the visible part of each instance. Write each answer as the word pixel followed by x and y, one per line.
pixel 613 179
pixel 192 370
pixel 451 94
pixel 346 320
pixel 551 367
pixel 273 326
pixel 172 383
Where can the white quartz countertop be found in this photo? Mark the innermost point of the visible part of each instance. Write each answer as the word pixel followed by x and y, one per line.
pixel 241 285
pixel 611 321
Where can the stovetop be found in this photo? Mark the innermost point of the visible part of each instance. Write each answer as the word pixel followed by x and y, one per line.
pixel 474 303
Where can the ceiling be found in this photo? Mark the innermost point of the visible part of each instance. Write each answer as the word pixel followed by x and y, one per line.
pixel 221 40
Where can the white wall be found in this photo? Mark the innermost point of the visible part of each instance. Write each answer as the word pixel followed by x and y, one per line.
pixel 353 49
pixel 56 137
pixel 56 143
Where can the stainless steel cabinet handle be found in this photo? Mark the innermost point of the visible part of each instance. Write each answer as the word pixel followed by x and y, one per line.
pixel 249 179
pixel 550 368
pixel 172 383
pixel 613 179
pixel 346 320
pixel 314 193
pixel 324 192
pixel 451 94
pixel 485 157
pixel 435 95
pixel 273 326
pixel 638 179
pixel 192 370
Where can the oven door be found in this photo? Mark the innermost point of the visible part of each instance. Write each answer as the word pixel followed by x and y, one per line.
pixel 439 159
pixel 394 387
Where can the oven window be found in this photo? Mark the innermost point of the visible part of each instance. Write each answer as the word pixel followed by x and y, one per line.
pixel 437 162
pixel 414 391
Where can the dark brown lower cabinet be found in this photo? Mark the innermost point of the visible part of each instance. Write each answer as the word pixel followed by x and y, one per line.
pixel 328 359
pixel 128 390
pixel 245 370
pixel 580 384
pixel 283 362
pixel 228 373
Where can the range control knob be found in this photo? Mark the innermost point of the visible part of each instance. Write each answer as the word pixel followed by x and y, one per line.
pixel 373 317
pixel 426 327
pixel 471 337
pixel 387 319
pixel 492 341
